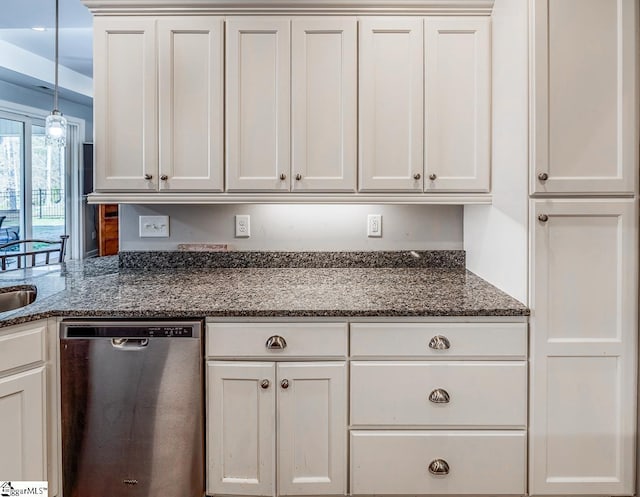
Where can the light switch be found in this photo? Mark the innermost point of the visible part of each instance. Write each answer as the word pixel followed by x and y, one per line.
pixel 154 226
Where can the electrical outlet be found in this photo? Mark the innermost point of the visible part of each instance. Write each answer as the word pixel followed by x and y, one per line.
pixel 374 225
pixel 243 226
pixel 154 226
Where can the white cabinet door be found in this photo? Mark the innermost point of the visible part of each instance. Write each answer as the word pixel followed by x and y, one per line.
pixel 584 345
pixel 190 73
pixel 241 439
pixel 457 103
pixel 125 118
pixel 584 104
pixel 391 104
pixel 22 426
pixel 324 102
pixel 257 97
pixel 312 428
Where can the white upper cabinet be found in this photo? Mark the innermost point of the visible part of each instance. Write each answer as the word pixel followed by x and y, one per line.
pixel 583 393
pixel 584 107
pixel 292 98
pixel 158 103
pixel 310 72
pixel 257 96
pixel 324 71
pixel 457 104
pixel 190 67
pixel 125 117
pixel 391 104
pixel 438 73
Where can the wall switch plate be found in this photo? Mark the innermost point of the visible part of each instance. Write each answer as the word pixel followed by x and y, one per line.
pixel 374 225
pixel 154 226
pixel 243 226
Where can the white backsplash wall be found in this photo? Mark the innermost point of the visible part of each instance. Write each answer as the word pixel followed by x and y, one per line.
pixel 299 227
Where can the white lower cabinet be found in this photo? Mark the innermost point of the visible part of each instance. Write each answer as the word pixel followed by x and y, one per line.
pixel 584 346
pixel 23 404
pixel 438 414
pixel 276 428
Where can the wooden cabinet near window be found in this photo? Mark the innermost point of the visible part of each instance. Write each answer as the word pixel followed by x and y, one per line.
pixel 108 238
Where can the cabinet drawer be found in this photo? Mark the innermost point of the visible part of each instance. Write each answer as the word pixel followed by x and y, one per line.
pixel 470 394
pixel 242 340
pixel 397 462
pixel 458 340
pixel 24 346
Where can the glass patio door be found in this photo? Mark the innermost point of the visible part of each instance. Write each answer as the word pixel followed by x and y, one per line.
pixel 12 148
pixel 48 188
pixel 33 182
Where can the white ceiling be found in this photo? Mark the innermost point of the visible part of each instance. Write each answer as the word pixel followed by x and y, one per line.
pixel 76 33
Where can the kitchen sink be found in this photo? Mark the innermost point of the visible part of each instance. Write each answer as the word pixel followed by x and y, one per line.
pixel 15 298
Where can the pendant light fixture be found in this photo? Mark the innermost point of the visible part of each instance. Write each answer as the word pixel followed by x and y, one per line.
pixel 56 125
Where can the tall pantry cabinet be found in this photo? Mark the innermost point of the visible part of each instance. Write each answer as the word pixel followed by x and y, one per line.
pixel 584 246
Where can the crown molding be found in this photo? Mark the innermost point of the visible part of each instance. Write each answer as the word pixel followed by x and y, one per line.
pixel 326 7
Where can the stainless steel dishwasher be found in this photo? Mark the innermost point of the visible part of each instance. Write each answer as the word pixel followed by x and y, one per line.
pixel 132 408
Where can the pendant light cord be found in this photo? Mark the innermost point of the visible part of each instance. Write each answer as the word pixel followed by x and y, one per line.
pixel 55 90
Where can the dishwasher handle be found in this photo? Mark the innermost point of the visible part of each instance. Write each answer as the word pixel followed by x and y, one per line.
pixel 129 343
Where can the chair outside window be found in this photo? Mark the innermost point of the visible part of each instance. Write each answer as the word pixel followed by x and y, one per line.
pixel 28 253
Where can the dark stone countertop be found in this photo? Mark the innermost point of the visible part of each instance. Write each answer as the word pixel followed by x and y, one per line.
pixel 101 288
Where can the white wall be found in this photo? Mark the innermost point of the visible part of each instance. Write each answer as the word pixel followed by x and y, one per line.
pixel 300 227
pixel 495 236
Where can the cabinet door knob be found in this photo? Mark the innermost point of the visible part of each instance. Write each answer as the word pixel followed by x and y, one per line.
pixel 432 177
pixel 148 176
pixel 439 467
pixel 439 396
pixel 164 177
pixel 543 218
pixel 283 176
pixel 543 176
pixel 417 176
pixel 276 342
pixel 298 177
pixel 284 384
pixel 264 384
pixel 439 342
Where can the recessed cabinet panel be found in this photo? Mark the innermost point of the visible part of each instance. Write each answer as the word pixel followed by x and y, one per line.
pixel 585 135
pixel 584 429
pixel 391 104
pixel 190 111
pixel 457 104
pixel 257 96
pixel 324 103
pixel 312 439
pixel 241 428
pixel 126 137
pixel 22 430
pixel 583 376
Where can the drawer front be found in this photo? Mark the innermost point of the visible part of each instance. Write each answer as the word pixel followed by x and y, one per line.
pixel 456 340
pixel 443 394
pixel 24 346
pixel 243 340
pixel 397 462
